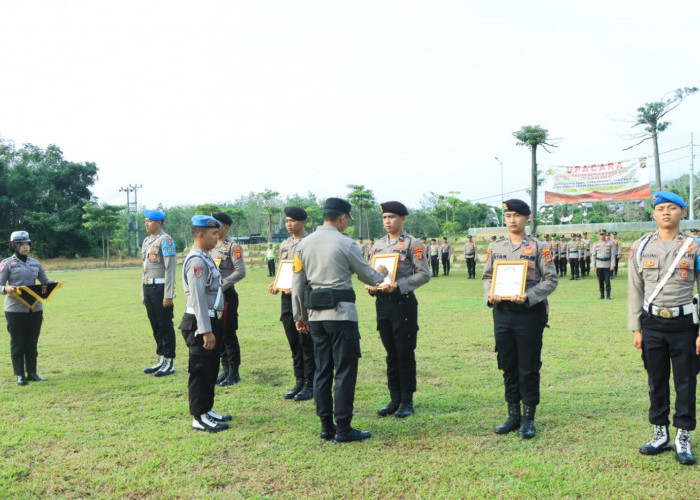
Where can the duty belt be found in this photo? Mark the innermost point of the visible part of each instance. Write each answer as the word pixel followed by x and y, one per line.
pixel 668 312
pixel 394 296
pixel 213 313
pixel 154 281
pixel 603 260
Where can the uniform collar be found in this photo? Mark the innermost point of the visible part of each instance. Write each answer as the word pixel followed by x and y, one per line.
pixel 401 237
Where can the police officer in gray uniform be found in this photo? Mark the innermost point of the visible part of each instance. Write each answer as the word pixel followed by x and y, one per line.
pixel 397 308
pixel 201 324
pixel 158 290
pixel 663 268
pixel 519 322
pixel 323 302
pixel 23 323
pixel 602 253
pixel 572 254
pixel 228 255
pixel 470 256
pixel 300 343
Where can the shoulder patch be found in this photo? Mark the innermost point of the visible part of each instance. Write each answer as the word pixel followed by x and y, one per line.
pixel 238 252
pixel 547 254
pixel 2 267
pixel 297 264
pixel 418 252
pixel 168 247
pixel 488 253
pixel 631 253
pixel 198 271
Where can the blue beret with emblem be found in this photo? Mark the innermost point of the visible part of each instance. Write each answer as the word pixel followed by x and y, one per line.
pixel 205 221
pixel 154 214
pixel 667 197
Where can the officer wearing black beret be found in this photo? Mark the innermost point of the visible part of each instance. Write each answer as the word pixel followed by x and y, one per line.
pixel 397 308
pixel 519 321
pixel 323 302
pixel 301 344
pixel 228 255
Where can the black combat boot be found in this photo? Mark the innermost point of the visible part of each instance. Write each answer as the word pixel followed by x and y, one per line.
pixel 513 421
pixel 393 405
pixel 527 425
pixel 344 433
pixel 224 371
pixel 295 390
pixel 327 429
pixel 602 296
pixel 406 407
pixel 306 393
pixel 232 378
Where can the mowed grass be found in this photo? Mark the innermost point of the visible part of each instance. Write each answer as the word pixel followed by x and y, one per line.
pixel 101 428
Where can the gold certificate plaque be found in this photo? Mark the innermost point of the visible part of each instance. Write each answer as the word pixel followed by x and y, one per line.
pixel 391 262
pixel 509 278
pixel 283 280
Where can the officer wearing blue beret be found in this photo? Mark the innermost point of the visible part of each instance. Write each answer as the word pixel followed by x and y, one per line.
pixel 664 267
pixel 201 324
pixel 158 290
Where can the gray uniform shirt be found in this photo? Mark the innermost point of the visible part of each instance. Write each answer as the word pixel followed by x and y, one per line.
pixel 288 248
pixel 228 255
pixel 160 261
pixel 446 248
pixel 327 259
pixel 654 261
pixel 201 280
pixel 14 272
pixel 542 276
pixel 572 250
pixel 602 254
pixel 413 264
pixel 469 249
pixel 434 250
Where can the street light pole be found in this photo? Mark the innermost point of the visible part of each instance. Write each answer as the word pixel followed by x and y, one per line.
pixel 502 214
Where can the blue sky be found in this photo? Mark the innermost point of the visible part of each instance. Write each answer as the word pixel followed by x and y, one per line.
pixel 207 101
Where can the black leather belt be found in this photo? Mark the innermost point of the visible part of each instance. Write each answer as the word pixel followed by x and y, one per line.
pixel 394 296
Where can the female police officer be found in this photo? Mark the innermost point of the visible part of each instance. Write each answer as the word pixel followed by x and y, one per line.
pixel 23 323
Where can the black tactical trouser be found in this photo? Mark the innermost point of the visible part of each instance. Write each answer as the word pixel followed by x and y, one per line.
pixel 574 267
pixel 603 274
pixel 587 266
pixel 24 331
pixel 203 365
pixel 562 266
pixel 301 344
pixel 397 322
pixel 336 349
pixel 161 319
pixel 231 349
pixel 471 267
pixel 435 265
pixel 271 268
pixel 617 264
pixel 518 333
pixel 670 343
pixel 445 264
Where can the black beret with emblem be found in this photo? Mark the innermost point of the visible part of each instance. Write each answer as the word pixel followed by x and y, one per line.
pixel 517 206
pixel 296 213
pixel 223 218
pixel 393 207
pixel 336 206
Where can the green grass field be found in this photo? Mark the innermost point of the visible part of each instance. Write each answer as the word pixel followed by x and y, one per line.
pixel 101 428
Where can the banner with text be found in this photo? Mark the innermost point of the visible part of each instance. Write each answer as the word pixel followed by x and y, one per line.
pixel 622 180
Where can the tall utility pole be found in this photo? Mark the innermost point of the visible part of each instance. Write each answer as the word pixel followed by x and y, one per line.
pixel 132 217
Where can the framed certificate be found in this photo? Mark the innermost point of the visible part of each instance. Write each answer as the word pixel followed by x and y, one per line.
pixel 283 280
pixel 509 278
pixel 391 262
